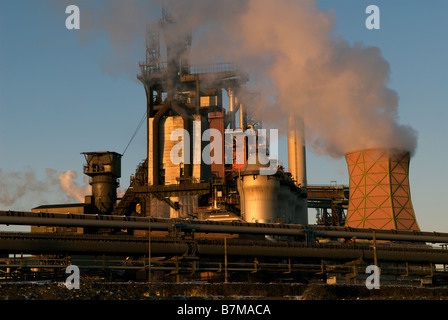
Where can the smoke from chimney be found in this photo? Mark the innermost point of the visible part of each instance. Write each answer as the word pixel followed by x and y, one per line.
pixel 294 59
pixel 21 190
pixel 72 189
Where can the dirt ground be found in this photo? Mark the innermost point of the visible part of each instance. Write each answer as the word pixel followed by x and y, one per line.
pixel 91 290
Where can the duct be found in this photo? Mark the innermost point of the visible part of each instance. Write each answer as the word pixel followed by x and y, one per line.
pixel 231 108
pixel 52 244
pixel 242 117
pixel 187 127
pixel 142 223
pixel 155 142
pixel 155 149
pixel 74 244
pixel 336 252
pixel 139 223
pixel 297 163
pixel 296 149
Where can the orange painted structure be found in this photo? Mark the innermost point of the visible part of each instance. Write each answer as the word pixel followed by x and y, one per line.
pixel 380 197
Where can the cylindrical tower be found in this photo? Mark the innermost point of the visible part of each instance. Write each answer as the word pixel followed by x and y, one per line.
pixel 380 197
pixel 296 149
pixel 258 194
pixel 297 163
pixel 104 168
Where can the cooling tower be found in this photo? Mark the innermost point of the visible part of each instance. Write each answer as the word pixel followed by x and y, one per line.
pixel 379 190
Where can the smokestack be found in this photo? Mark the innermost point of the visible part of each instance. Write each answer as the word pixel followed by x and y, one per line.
pixel 297 163
pixel 296 149
pixel 380 197
pixel 230 92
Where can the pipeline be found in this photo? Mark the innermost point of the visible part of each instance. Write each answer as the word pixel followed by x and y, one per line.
pixel 127 245
pixel 208 226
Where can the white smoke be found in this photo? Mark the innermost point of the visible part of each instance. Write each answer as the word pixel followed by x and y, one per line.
pixel 298 65
pixel 22 190
pixel 295 61
pixel 71 188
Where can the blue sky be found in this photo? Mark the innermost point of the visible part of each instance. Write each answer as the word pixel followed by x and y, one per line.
pixel 61 94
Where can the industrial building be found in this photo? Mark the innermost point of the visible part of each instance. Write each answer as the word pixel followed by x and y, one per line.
pixel 227 220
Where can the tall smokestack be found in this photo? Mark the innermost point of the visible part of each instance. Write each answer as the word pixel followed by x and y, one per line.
pixel 380 197
pixel 297 163
pixel 296 149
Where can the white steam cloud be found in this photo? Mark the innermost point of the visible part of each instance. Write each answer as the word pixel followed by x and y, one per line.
pixel 295 61
pixel 71 188
pixel 19 189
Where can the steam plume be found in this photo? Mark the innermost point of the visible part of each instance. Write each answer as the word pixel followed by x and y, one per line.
pixel 72 189
pixel 21 190
pixel 296 63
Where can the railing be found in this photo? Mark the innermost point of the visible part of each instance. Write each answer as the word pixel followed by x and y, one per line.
pixel 148 69
pixel 210 68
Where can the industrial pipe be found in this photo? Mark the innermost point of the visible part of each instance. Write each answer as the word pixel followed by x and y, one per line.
pixel 112 245
pixel 142 223
pixel 155 142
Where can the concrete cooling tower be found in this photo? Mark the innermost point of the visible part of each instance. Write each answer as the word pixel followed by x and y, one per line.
pixel 379 190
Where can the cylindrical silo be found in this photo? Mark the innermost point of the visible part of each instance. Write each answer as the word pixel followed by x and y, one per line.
pixel 380 196
pixel 258 193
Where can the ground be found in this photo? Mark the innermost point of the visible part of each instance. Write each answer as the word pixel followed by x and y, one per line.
pixel 94 290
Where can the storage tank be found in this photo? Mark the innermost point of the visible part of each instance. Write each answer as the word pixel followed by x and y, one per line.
pixel 380 196
pixel 258 193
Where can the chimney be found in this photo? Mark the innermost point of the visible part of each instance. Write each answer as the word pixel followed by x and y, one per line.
pixel 297 163
pixel 296 149
pixel 379 190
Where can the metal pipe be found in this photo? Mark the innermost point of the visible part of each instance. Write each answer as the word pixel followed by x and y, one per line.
pixel 155 149
pixel 141 223
pixel 187 127
pixel 296 149
pixel 231 108
pixel 155 142
pixel 242 117
pixel 75 244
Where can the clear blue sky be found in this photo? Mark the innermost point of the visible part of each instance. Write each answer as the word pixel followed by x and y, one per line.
pixel 59 97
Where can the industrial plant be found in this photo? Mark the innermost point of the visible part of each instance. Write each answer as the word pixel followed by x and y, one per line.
pixel 220 213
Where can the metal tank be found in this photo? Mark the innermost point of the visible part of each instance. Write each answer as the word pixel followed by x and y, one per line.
pixel 258 193
pixel 380 196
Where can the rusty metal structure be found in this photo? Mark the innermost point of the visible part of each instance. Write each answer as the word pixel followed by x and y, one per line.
pixel 191 99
